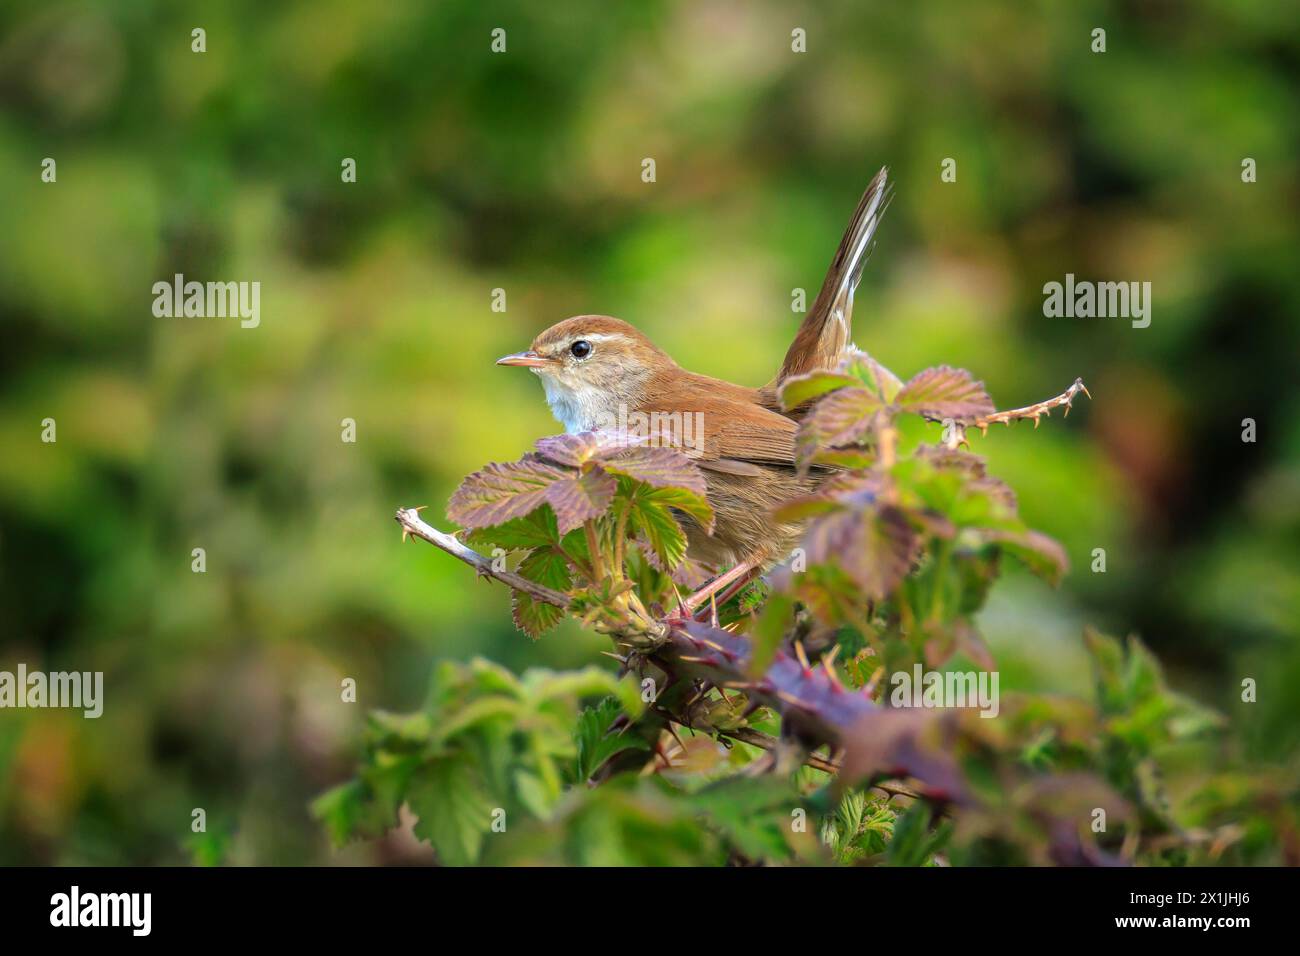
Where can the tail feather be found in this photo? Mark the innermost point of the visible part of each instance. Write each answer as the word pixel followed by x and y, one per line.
pixel 827 330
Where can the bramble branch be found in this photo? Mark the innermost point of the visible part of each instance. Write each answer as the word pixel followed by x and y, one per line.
pixel 414 526
pixel 957 434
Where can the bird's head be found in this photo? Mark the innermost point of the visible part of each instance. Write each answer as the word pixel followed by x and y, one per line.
pixel 589 365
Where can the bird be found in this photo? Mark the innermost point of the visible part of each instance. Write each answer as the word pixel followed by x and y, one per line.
pixel 594 368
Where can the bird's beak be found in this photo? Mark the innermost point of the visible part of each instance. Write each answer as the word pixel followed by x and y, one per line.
pixel 529 359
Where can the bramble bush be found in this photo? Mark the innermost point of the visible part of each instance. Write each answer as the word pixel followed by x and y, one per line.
pixel 761 730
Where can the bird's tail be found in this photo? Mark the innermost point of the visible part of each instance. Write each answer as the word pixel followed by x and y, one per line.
pixel 827 330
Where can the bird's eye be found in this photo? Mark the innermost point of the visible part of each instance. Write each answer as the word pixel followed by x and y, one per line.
pixel 580 349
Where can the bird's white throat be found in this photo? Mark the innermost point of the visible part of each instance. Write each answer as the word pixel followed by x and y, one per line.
pixel 577 409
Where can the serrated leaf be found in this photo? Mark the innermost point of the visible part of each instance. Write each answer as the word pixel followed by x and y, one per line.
pixel 658 468
pixel 454 812
pixel 841 418
pixel 687 502
pixel 873 546
pixel 547 567
pixel 655 522
pixel 580 498
pixel 534 617
pixel 875 376
pixel 501 492
pixel 945 392
pixel 575 450
pixel 595 744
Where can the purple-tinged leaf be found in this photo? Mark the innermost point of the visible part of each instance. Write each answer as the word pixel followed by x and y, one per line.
pixel 1041 554
pixel 575 450
pixel 841 418
pixel 579 498
pixel 658 468
pixel 945 392
pixel 874 547
pixel 875 376
pixel 891 742
pixel 504 491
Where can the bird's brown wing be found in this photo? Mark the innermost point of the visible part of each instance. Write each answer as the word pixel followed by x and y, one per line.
pixel 727 429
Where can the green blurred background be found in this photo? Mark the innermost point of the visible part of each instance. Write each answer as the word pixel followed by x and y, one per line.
pixel 522 171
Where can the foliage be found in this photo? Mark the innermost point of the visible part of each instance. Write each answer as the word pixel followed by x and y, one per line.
pixel 903 541
pixel 521 172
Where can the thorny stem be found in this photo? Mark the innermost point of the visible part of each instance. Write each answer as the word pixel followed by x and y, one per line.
pixel 957 435
pixel 414 526
pixel 639 620
pixel 756 738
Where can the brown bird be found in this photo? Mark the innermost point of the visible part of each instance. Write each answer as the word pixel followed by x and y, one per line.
pixel 598 371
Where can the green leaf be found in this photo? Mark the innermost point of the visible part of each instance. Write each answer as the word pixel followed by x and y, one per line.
pixel 914 843
pixel 546 566
pixel 595 744
pixel 754 815
pixel 454 811
pixel 534 530
pixel 875 376
pixel 546 685
pixel 798 389
pixel 652 515
pixel 534 617
pixel 343 811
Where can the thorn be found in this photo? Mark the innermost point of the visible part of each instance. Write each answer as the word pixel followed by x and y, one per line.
pixel 1085 388
pixel 694 660
pixel 676 738
pixel 617 657
pixel 803 657
pixel 791 699
pixel 870 687
pixel 711 645
pixel 829 659
pixel 833 677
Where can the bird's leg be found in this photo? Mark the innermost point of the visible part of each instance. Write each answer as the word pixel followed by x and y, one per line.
pixel 744 571
pixel 740 584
